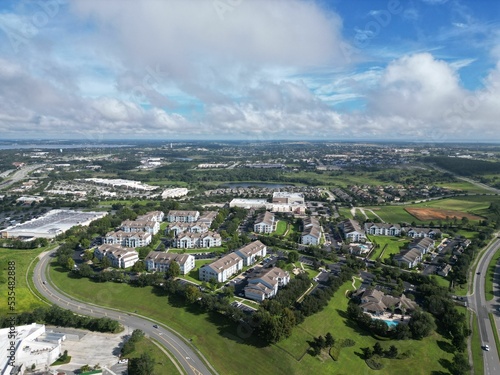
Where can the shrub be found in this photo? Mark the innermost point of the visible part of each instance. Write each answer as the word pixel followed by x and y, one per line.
pixel 374 363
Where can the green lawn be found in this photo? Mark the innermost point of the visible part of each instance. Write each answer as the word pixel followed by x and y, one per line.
pixel 392 245
pixel 477 351
pixel 425 357
pixel 281 228
pixel 395 214
pixel 24 298
pixel 488 283
pixel 220 341
pixel 163 364
pixel 464 186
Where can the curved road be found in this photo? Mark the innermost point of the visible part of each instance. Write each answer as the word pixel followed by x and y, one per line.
pixel 477 301
pixel 184 353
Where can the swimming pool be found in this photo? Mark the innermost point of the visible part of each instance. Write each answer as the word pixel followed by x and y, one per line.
pixel 391 323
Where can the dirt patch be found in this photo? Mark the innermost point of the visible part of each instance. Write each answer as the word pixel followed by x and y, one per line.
pixel 439 214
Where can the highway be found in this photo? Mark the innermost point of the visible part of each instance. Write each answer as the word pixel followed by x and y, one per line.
pixel 186 355
pixel 477 302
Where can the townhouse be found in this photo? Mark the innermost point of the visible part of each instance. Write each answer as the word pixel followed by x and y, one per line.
pixel 265 284
pixel 119 257
pixel 221 269
pixel 189 240
pixel 415 252
pixel 127 239
pixel 352 231
pixel 265 223
pixel 160 261
pixel 383 229
pixel 250 252
pixel 178 228
pixel 418 232
pixel 183 216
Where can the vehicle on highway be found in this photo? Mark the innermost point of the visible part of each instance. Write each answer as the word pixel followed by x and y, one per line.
pixel 486 347
pixel 43 282
pixel 155 325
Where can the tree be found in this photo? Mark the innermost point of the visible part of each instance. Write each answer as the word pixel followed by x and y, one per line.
pixel 392 352
pixel 329 339
pixel 460 365
pixel 105 262
pixel 144 365
pixel 192 293
pixel 174 270
pixel 377 349
pixel 138 266
pixel 293 256
pixel 421 325
pixel 70 264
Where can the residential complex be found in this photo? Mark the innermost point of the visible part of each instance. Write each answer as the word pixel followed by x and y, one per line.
pixel 183 216
pixel 352 231
pixel 160 261
pixel 311 233
pixel 221 269
pixel 120 257
pixel 250 252
pixel 189 240
pixel 265 223
pixel 265 283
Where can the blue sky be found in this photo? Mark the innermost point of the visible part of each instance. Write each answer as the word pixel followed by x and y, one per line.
pixel 423 70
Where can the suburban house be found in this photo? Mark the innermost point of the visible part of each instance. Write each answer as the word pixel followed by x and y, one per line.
pixel 127 239
pixel 160 261
pixel 265 223
pixel 375 302
pixel 417 232
pixel 249 252
pixel 149 226
pixel 120 257
pixel 189 240
pixel 183 216
pixel 179 227
pixel 265 284
pixel 444 271
pixel 221 269
pixel 311 233
pixel 353 231
pixel 382 229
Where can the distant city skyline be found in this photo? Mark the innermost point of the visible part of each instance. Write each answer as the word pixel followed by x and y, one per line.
pixel 394 70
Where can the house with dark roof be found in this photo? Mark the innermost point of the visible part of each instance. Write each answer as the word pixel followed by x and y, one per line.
pixel 375 302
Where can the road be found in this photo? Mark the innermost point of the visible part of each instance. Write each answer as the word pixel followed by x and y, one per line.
pixel 19 175
pixel 186 355
pixel 477 301
pixel 469 180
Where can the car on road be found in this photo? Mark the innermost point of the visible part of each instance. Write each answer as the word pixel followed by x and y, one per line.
pixel 43 282
pixel 155 325
pixel 486 347
pixel 478 273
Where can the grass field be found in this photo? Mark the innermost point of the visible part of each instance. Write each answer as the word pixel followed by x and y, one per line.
pixel 392 245
pixel 281 228
pixel 163 364
pixel 464 186
pixel 395 214
pixel 477 351
pixel 488 282
pixel 219 341
pixel 25 300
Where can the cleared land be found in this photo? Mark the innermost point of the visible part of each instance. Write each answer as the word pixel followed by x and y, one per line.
pixel 219 340
pixel 430 213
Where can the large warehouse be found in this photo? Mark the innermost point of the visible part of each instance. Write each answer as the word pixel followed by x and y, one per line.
pixel 51 224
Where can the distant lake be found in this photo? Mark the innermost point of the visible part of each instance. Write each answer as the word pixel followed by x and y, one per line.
pixel 58 146
pixel 254 184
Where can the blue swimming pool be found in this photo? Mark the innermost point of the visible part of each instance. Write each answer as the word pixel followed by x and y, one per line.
pixel 391 323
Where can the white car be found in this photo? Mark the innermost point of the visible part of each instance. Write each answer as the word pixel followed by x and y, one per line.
pixel 487 348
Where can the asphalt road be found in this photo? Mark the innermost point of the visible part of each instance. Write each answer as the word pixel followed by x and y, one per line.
pixel 185 354
pixel 478 303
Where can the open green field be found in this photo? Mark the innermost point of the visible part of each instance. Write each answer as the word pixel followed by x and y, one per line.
pixel 281 228
pixel 392 245
pixel 163 364
pixel 219 341
pixel 395 214
pixel 25 300
pixel 477 351
pixel 464 186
